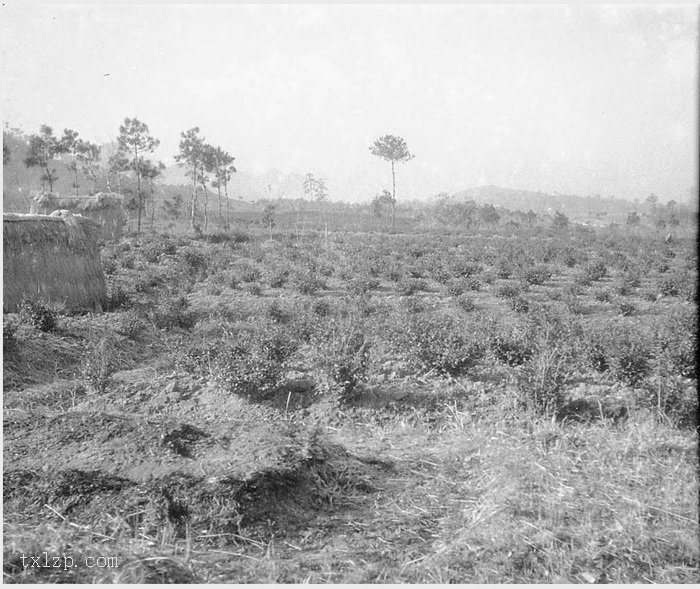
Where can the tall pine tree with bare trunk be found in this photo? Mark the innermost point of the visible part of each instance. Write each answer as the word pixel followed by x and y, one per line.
pixel 392 149
pixel 134 142
pixel 191 157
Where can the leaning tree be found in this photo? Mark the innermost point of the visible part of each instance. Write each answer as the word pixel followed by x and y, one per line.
pixel 392 149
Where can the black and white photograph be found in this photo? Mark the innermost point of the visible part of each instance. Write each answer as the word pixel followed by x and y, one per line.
pixel 350 293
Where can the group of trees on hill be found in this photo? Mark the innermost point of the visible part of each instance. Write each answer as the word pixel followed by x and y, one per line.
pixel 45 147
pixel 128 169
pixel 205 164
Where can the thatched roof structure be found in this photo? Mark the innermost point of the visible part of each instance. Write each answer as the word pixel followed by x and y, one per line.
pixel 105 207
pixel 54 259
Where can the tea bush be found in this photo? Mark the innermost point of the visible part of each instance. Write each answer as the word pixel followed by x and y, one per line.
pixel 603 295
pixel 173 312
pixel 307 281
pixel 409 287
pixel 519 304
pixel 438 342
pixel 596 270
pixel 117 299
pixel 39 315
pixel 465 303
pixel 512 349
pixel 251 363
pixel 343 351
pixel 508 291
pixel 98 364
pixel 537 275
pixel 542 379
pixel 361 285
pixel 130 324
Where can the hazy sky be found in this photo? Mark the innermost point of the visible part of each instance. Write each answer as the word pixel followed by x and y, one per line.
pixel 575 99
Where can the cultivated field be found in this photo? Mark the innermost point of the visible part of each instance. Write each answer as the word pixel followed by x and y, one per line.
pixel 517 405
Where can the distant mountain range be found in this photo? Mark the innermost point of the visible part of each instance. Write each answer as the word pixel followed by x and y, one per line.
pixel 542 202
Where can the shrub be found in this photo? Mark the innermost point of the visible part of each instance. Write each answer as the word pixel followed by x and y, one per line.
pixel 278 314
pixel 413 305
pixel 596 270
pixel 474 283
pixel 173 312
pixel 147 281
pixel 508 291
pixel 439 343
pixel 109 266
pixel 668 287
pixel 441 274
pixel 409 287
pixel 464 268
pixel 344 351
pixel 240 236
pixel 322 307
pixel 246 272
pixel 542 378
pixel 38 315
pixel 511 350
pixel 326 270
pixel 621 288
pixel 676 400
pixel 537 275
pixel 129 261
pixel 218 237
pixel 677 338
pixel 603 295
pixel 361 285
pixel 195 261
pixel 582 278
pixel 519 304
pixel 117 299
pixel 395 273
pixel 98 364
pixel 629 357
pixel 250 364
pixel 307 282
pixel 504 270
pixel 456 287
pixel 130 324
pixel 278 277
pixel 465 303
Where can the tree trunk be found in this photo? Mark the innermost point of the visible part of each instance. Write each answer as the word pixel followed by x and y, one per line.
pixel 228 221
pixel 206 202
pixel 75 172
pixel 193 208
pixel 138 188
pixel 218 189
pixel 153 206
pixel 393 194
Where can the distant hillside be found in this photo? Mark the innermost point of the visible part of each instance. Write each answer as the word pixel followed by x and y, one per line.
pixel 576 207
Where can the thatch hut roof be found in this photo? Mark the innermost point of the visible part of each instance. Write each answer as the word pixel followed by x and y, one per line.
pixel 53 259
pixel 105 207
pixel 78 204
